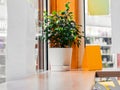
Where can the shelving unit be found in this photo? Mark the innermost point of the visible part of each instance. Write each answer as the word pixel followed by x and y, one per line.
pixel 3 37
pixel 96 35
pixel 2 58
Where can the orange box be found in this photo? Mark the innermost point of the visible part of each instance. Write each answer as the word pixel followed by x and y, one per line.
pixel 92 59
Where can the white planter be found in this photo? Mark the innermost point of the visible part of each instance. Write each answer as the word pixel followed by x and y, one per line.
pixel 60 58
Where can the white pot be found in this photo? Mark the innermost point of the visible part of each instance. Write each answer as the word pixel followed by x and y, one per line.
pixel 60 58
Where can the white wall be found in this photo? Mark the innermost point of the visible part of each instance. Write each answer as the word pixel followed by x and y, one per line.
pixel 20 41
pixel 115 7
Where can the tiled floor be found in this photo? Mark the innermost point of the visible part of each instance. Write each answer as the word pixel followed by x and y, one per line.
pixel 71 80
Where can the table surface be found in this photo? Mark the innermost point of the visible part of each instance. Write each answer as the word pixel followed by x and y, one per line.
pixel 69 80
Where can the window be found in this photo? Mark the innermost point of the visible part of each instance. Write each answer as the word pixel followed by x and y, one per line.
pixel 98 28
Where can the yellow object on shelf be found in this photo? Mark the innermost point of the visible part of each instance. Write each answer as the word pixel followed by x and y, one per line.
pixel 98 7
pixel 107 84
pixel 92 59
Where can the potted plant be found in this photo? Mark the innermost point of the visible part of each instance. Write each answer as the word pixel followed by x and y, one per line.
pixel 61 32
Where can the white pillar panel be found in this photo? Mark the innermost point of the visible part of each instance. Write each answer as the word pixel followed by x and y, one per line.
pixel 20 40
pixel 115 6
pixel 30 36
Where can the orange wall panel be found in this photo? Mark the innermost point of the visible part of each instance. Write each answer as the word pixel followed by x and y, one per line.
pixel 53 5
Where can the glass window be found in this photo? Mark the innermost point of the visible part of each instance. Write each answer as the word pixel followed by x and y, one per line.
pixel 98 28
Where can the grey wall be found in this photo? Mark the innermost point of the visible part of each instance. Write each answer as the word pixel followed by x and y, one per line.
pixel 115 7
pixel 20 41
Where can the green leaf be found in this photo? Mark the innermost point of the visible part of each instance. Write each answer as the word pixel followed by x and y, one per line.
pixel 54 12
pixel 67 6
pixel 63 13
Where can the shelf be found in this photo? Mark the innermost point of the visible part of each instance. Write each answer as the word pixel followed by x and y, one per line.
pixel 101 45
pixel 2 54
pixel 2 65
pixel 107 62
pixel 3 19
pixel 3 42
pixel 101 26
pixel 98 36
pixel 2 76
pixel 106 54
pixel 3 35
pixel 105 45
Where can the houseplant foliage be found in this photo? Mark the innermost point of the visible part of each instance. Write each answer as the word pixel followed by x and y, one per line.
pixel 61 30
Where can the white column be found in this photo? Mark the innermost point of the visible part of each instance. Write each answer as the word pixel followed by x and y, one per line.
pixel 20 41
pixel 115 7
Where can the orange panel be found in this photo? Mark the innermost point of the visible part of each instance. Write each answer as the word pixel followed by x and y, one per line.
pixel 53 5
pixel 92 58
pixel 74 62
